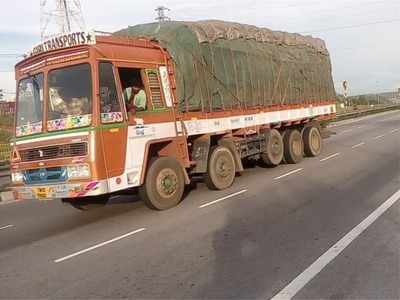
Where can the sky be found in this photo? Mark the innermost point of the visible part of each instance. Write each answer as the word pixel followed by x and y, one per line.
pixel 362 35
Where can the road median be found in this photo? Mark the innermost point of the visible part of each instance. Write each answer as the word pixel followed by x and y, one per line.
pixel 365 112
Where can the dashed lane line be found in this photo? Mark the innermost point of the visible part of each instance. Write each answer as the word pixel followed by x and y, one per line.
pixel 358 145
pixel 347 130
pixel 98 245
pixel 318 265
pixel 223 198
pixel 379 137
pixel 7 226
pixel 289 173
pixel 330 157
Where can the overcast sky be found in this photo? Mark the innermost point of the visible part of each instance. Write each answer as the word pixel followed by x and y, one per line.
pixel 362 35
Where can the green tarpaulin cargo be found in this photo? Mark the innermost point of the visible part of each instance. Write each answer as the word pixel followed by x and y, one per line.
pixel 222 65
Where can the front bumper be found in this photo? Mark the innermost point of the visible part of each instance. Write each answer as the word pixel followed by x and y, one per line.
pixel 60 190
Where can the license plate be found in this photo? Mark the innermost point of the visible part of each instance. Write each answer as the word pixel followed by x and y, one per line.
pixel 42 192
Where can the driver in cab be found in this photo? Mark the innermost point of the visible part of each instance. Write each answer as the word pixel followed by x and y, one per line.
pixel 135 97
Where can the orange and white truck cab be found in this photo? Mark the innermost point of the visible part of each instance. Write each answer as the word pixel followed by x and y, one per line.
pixel 73 132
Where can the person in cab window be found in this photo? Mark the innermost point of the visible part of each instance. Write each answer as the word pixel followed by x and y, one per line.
pixel 135 97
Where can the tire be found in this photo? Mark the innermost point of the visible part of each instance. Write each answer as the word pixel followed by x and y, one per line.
pixel 164 184
pixel 293 146
pixel 221 169
pixel 273 154
pixel 312 140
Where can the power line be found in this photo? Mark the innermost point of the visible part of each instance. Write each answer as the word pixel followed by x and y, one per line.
pixel 351 26
pixel 11 57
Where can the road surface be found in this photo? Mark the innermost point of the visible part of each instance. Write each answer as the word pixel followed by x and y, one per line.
pixel 325 228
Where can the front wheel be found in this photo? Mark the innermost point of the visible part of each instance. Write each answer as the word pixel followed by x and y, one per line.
pixel 221 169
pixel 164 184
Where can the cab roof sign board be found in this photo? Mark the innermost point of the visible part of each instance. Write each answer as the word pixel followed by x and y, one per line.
pixel 64 41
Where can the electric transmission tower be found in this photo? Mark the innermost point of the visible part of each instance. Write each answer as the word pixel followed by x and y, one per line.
pixel 60 16
pixel 161 17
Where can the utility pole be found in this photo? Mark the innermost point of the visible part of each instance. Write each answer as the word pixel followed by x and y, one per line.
pixel 60 16
pixel 345 86
pixel 161 17
pixel 377 94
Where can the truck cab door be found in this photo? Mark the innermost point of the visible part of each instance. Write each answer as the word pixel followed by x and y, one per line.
pixel 113 126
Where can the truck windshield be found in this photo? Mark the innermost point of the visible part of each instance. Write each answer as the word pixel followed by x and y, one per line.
pixel 30 105
pixel 70 98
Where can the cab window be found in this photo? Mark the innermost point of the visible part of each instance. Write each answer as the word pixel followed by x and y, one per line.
pixel 70 97
pixel 134 92
pixel 110 108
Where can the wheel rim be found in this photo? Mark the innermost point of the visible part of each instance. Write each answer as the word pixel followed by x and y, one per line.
pixel 276 147
pixel 315 141
pixel 297 147
pixel 223 167
pixel 167 183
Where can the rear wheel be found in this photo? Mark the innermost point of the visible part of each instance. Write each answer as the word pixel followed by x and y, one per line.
pixel 293 146
pixel 273 154
pixel 164 184
pixel 221 169
pixel 312 141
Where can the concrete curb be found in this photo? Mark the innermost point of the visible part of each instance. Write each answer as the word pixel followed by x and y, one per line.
pixel 7 197
pixel 5 177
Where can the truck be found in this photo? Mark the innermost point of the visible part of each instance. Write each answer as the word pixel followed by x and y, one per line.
pixel 152 106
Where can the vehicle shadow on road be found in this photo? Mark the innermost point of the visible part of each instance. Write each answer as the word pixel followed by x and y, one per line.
pixel 243 257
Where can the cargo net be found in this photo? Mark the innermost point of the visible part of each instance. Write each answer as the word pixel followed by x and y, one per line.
pixel 224 66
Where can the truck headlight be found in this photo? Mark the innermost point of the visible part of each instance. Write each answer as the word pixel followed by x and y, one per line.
pixel 17 177
pixel 78 171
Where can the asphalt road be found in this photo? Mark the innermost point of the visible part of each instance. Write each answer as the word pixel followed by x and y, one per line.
pixel 274 232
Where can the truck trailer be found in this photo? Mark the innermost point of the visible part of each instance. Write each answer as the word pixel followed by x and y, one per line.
pixel 152 106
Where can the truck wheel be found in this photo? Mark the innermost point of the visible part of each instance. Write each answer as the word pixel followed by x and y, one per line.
pixel 164 184
pixel 273 154
pixel 221 169
pixel 312 141
pixel 293 146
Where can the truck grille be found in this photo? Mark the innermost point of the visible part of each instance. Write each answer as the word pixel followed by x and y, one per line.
pixel 44 175
pixel 57 151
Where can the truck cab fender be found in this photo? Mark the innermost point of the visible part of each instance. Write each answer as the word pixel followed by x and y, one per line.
pixel 171 147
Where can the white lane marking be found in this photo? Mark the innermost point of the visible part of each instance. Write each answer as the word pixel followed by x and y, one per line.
pixel 348 130
pixel 318 265
pixel 379 137
pixel 98 245
pixel 358 145
pixel 5 227
pixel 223 198
pixel 288 174
pixel 330 157
pixel 395 130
